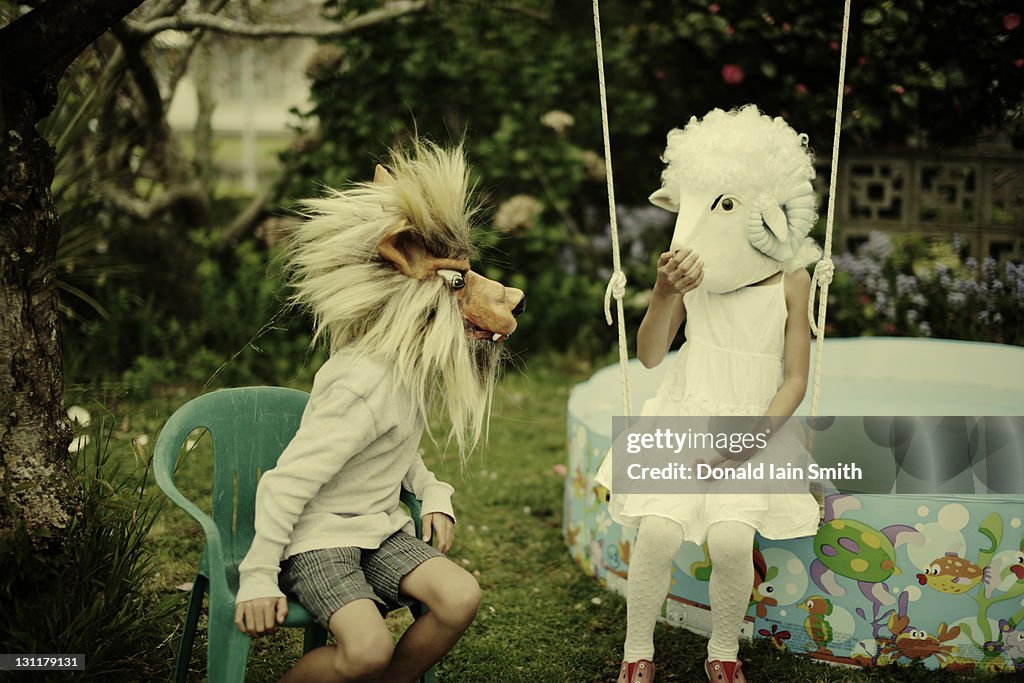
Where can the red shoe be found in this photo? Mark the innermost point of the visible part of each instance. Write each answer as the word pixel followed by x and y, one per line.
pixel 636 672
pixel 724 672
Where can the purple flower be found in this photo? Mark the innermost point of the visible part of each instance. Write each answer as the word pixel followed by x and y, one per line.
pixel 878 246
pixel 905 284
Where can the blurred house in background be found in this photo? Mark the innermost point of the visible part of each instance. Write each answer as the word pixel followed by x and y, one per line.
pixel 253 86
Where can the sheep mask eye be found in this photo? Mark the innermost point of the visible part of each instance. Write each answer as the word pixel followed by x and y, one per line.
pixel 455 279
pixel 725 203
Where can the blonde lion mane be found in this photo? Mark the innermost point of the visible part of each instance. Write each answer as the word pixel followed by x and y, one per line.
pixel 363 304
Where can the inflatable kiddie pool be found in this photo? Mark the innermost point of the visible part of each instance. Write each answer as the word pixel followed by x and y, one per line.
pixel 889 578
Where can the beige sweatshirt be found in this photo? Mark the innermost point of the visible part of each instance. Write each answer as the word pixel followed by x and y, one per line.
pixel 338 482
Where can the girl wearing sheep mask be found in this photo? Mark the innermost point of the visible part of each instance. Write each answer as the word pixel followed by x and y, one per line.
pixel 740 182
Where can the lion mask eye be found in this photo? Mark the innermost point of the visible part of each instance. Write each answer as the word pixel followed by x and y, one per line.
pixel 455 279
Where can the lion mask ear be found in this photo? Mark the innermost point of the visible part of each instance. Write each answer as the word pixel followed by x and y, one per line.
pixel 381 176
pixel 405 251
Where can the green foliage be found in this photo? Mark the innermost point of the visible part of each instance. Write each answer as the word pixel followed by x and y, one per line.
pixel 223 323
pixel 89 597
pixel 914 286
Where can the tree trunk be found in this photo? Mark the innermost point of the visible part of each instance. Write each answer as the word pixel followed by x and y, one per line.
pixel 37 492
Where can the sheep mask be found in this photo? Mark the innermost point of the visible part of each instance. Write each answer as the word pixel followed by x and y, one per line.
pixel 740 182
pixel 384 266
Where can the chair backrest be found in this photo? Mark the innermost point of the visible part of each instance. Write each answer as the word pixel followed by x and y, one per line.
pixel 250 427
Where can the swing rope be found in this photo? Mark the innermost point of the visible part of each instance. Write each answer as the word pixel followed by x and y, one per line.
pixel 824 269
pixel 617 283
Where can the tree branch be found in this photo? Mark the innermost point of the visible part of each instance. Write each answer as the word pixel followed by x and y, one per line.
pixel 47 39
pixel 191 194
pixel 219 24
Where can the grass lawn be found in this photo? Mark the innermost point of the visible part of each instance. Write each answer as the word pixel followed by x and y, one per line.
pixel 541 619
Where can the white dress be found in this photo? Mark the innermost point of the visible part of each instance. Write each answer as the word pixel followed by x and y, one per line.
pixel 731 364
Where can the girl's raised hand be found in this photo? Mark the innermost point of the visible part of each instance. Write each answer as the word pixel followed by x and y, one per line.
pixel 679 271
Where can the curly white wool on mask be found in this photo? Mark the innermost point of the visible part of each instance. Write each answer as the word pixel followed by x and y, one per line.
pixel 741 151
pixel 362 304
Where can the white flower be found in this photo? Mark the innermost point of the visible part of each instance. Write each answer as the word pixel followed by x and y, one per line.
pixel 80 415
pixel 78 443
pixel 595 601
pixel 517 213
pixel 557 120
pixel 141 439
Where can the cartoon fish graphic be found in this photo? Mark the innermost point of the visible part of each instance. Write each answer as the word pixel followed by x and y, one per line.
pixel 951 574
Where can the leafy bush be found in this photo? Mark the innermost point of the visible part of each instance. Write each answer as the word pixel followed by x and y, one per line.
pixel 914 286
pixel 223 323
pixel 87 596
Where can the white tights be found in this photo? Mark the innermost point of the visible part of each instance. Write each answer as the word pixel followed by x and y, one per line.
pixel 650 572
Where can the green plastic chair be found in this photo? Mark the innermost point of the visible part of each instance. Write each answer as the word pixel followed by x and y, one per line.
pixel 250 427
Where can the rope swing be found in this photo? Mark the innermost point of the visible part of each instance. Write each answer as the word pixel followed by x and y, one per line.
pixel 823 270
pixel 617 284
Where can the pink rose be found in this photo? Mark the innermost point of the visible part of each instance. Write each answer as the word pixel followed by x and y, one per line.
pixel 899 89
pixel 714 8
pixel 801 88
pixel 732 74
pixel 834 45
pixel 1011 21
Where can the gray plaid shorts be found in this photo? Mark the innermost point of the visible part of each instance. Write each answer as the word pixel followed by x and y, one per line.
pixel 326 580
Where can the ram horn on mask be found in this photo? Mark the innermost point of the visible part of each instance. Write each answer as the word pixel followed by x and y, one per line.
pixel 777 226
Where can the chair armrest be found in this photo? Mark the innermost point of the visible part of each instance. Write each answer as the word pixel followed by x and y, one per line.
pixel 165 458
pixel 415 511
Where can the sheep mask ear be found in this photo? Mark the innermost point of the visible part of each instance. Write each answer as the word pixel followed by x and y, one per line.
pixel 778 227
pixel 663 199
pixel 403 248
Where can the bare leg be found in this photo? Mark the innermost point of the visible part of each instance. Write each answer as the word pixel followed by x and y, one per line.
pixel 452 596
pixel 363 648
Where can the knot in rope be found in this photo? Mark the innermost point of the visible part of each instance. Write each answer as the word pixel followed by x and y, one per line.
pixel 821 279
pixel 616 288
pixel 823 271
